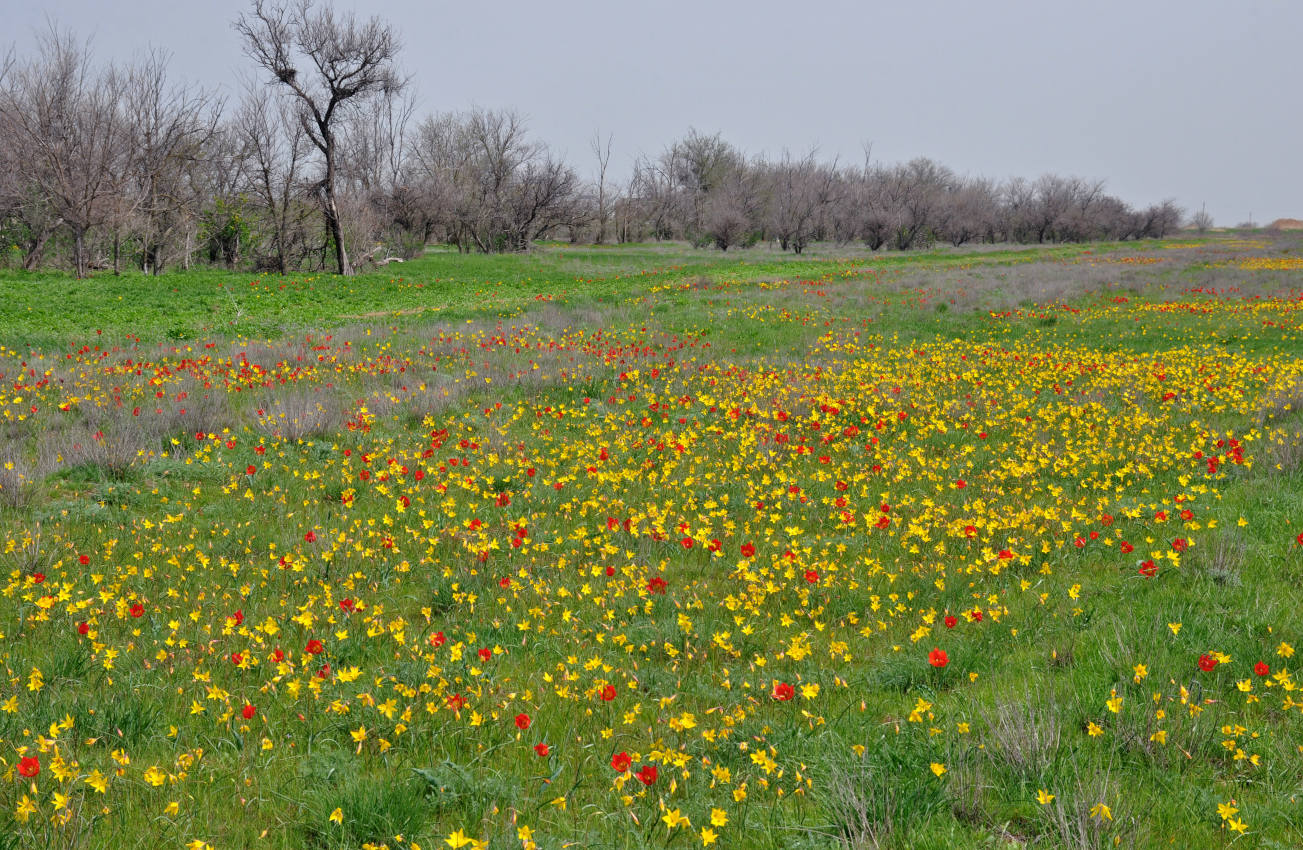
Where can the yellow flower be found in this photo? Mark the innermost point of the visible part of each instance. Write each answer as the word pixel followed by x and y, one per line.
pixel 337 816
pixel 98 781
pixel 1044 797
pixel 938 768
pixel 708 836
pixel 1101 811
pixel 154 776
pixel 458 839
pixel 718 817
pixel 674 818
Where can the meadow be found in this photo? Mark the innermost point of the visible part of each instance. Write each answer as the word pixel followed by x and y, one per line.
pixel 646 546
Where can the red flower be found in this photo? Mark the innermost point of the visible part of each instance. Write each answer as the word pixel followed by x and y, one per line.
pixel 646 774
pixel 749 549
pixel 951 621
pixel 310 537
pixel 504 582
pixel 1261 668
pixel 1300 538
pixel 938 658
pixel 85 559
pixel 608 693
pixel 976 615
pixel 1127 548
pixel 783 692
pixel 486 654
pixel 1005 554
pixel 250 469
pixel 236 658
pixel 315 647
pixel 522 721
pixel 687 542
pixel 1180 544
pixel 1207 662
pixel 137 610
pixel 970 531
pixel 657 585
pixel 348 606
pixel 812 576
pixel 961 484
pixel 620 762
pixel 456 702
pixel 1149 569
pixel 278 655
pixel 38 578
pixel 29 766
pixel 248 711
pixel 542 749
pixel 83 628
pixel 437 639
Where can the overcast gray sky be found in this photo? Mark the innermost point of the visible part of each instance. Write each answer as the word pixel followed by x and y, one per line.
pixel 1189 99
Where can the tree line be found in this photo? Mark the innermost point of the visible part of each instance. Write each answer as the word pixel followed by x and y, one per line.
pixel 323 163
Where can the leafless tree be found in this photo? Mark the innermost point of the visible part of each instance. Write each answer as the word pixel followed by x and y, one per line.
pixel 503 191
pixel 330 64
pixel 275 150
pixel 169 128
pixel 1202 221
pixel 63 117
pixel 798 193
pixel 602 152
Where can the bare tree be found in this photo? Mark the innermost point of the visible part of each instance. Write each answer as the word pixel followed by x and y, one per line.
pixel 275 149
pixel 348 63
pixel 798 195
pixel 64 119
pixel 169 128
pixel 602 152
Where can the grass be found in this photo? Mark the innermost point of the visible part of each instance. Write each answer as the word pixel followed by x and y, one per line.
pixel 411 560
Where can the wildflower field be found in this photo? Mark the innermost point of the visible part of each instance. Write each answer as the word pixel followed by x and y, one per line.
pixel 639 546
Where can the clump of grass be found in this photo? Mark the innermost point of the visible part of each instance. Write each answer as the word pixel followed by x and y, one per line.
pixel 1024 735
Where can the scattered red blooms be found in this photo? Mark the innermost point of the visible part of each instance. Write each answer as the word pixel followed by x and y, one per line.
pixel 542 750
pixel 647 774
pixel 522 721
pixel 608 693
pixel 1180 544
pixel 938 658
pixel 248 711
pixel 812 576
pixel 951 621
pixel 485 654
pixel 315 647
pixel 85 559
pixel 1127 548
pixel 29 766
pixel 783 691
pixel 250 469
pixel 137 610
pixel 310 537
pixel 620 762
pixel 749 549
pixel 1207 662
pixel 1261 668
pixel 83 628
pixel 1148 569
pixel 348 606
pixel 657 585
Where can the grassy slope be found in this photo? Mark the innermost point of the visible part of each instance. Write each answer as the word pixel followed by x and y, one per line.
pixel 1083 619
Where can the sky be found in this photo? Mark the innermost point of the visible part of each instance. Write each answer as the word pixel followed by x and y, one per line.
pixel 1196 101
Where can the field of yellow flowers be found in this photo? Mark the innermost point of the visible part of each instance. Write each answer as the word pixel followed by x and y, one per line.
pixel 629 548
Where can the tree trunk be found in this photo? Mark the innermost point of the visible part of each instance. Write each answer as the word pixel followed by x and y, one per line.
pixel 79 252
pixel 332 215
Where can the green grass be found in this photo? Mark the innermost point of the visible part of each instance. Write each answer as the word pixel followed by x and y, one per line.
pixel 664 379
